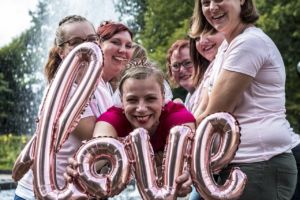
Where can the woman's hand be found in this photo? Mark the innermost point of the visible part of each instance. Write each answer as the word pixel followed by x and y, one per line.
pixel 71 172
pixel 101 167
pixel 184 182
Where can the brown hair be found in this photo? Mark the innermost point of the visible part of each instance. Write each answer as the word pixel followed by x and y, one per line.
pixel 177 45
pixel 108 29
pixel 248 15
pixel 54 59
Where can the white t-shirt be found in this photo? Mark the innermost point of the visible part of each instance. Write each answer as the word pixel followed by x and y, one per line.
pixel 100 102
pixel 193 101
pixel 265 132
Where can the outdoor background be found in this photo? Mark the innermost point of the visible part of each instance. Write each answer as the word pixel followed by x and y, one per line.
pixel 156 24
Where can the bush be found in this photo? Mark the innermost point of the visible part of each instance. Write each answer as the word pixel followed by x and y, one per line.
pixel 10 147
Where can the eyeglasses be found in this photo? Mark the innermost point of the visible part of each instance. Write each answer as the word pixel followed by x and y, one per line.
pixel 77 40
pixel 186 64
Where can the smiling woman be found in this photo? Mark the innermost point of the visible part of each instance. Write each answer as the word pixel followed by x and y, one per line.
pixel 142 94
pixel 248 79
pixel 70 32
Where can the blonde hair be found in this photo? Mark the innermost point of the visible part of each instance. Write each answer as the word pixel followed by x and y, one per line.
pixel 141 71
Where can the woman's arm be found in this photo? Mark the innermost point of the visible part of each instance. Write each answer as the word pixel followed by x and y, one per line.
pixel 104 129
pixel 226 93
pixel 85 128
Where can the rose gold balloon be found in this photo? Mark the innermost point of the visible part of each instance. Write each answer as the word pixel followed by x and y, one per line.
pixel 103 185
pixel 202 167
pixel 142 155
pixel 24 160
pixel 59 117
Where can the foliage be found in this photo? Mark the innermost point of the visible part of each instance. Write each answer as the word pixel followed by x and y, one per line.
pixel 134 10
pixel 4 90
pixel 15 69
pixel 10 147
pixel 18 63
pixel 165 22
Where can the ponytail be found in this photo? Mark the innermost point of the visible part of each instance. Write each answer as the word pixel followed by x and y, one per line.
pixel 52 64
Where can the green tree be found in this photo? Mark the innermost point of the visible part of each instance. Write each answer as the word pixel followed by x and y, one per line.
pixel 19 61
pixel 165 22
pixel 133 10
pixel 4 91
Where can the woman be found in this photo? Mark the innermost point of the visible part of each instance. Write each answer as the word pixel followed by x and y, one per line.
pixel 116 44
pixel 142 94
pixel 248 80
pixel 180 67
pixel 116 41
pixel 203 50
pixel 139 54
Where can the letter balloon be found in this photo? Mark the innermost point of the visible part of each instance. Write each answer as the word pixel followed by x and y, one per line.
pixel 203 166
pixel 59 116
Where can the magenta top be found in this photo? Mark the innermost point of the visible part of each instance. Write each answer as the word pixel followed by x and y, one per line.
pixel 172 114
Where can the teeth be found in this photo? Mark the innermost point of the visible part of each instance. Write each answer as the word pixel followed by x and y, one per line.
pixel 217 16
pixel 208 48
pixel 142 118
pixel 120 58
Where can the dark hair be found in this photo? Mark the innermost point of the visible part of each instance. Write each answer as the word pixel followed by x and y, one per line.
pixel 177 45
pixel 54 59
pixel 248 15
pixel 141 71
pixel 108 29
pixel 200 63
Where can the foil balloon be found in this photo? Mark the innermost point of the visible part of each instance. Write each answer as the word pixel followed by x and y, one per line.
pixel 105 150
pixel 24 160
pixel 59 115
pixel 183 148
pixel 203 164
pixel 142 155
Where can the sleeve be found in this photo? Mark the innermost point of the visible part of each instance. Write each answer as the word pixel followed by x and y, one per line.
pixel 178 115
pixel 91 109
pixel 246 55
pixel 117 119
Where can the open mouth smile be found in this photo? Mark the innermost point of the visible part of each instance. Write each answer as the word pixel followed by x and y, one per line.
pixel 142 119
pixel 119 58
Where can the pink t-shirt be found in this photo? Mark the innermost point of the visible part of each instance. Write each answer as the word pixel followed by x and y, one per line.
pixel 173 114
pixel 265 132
